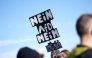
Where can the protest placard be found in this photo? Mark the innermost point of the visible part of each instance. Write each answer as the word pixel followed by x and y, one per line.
pixel 45 29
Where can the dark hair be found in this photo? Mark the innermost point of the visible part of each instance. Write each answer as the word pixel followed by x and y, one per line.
pixel 66 52
pixel 83 24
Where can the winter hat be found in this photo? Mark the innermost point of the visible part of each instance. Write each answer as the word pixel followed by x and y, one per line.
pixel 27 52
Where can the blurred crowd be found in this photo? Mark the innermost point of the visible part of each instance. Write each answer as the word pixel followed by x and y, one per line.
pixel 27 52
pixel 83 50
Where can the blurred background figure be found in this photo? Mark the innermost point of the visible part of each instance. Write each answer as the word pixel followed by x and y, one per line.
pixel 84 30
pixel 27 52
pixel 55 53
pixel 64 54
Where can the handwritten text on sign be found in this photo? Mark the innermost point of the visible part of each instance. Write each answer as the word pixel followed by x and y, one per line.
pixel 44 26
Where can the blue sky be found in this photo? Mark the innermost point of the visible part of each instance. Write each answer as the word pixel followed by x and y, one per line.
pixel 16 30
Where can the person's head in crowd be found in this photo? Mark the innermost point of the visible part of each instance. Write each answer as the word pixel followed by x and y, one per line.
pixel 54 53
pixel 27 52
pixel 64 54
pixel 84 29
